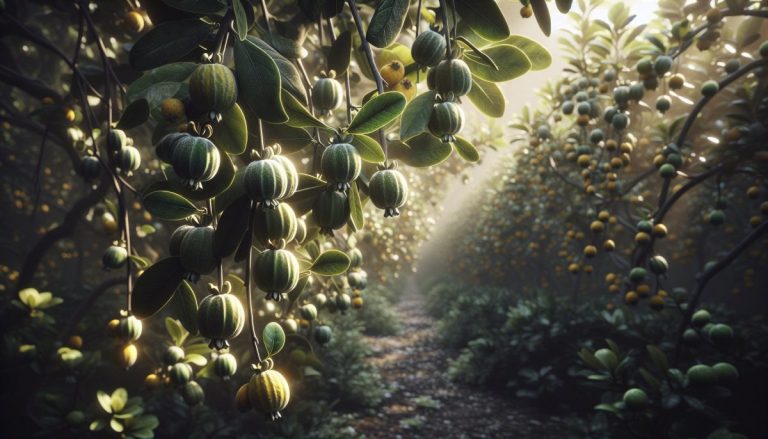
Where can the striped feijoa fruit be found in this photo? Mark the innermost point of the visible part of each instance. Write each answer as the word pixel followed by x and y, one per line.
pixel 323 334
pixel 129 159
pixel 225 365
pixel 266 182
pixel 276 271
pixel 268 392
pixel 213 87
pixel 242 402
pixel 453 77
pixel 129 328
pixel 428 48
pixel 388 190
pixel 116 139
pixel 358 280
pixel 275 224
pixel 195 160
pixel 291 173
pixel 219 318
pixel 301 230
pixel 356 258
pixel 180 374
pixel 192 393
pixel 446 120
pixel 340 164
pixel 327 95
pixel 196 252
pixel 174 244
pixel 164 148
pixel 90 167
pixel 114 257
pixel 331 210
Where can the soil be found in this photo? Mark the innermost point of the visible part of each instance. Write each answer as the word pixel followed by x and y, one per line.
pixel 424 402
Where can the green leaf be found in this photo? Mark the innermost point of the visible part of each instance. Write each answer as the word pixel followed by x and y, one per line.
pixel 541 11
pixel 241 19
pixel 466 150
pixel 589 359
pixel 196 359
pixel 140 262
pixel 290 139
pixel 330 263
pixel 168 42
pixel 175 331
pixel 563 5
pixel 340 53
pixel 378 112
pixel 232 227
pixel 416 115
pixel 387 21
pixel 169 205
pixel 537 54
pixel 484 17
pixel 105 401
pixel 487 97
pixel 273 337
pixel 155 287
pixel 369 149
pixel 170 73
pixel 116 425
pixel 184 305
pixel 119 398
pixel 295 293
pixel 289 74
pixel 299 116
pixel 202 7
pixel 135 114
pixel 422 151
pixel 658 357
pixel 512 63
pixel 258 81
pixel 231 134
pixel 355 207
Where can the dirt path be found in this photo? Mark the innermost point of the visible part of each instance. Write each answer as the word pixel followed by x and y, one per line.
pixel 423 401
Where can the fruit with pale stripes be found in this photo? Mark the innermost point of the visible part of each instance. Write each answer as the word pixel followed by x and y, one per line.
pixel 331 210
pixel 276 272
pixel 213 87
pixel 195 159
pixel 266 182
pixel 196 252
pixel 327 95
pixel 388 190
pixel 268 392
pixel 446 120
pixel 274 224
pixel 114 257
pixel 428 48
pixel 340 164
pixel 453 78
pixel 220 317
pixel 225 365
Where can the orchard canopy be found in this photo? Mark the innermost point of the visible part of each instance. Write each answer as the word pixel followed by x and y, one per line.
pixel 384 218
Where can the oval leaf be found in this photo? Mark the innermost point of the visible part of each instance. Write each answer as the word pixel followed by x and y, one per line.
pixel 466 150
pixel 330 263
pixel 340 53
pixel 422 151
pixel 541 11
pixel 387 21
pixel 135 114
pixel 378 112
pixel 487 97
pixel 184 306
pixel 369 149
pixel 299 116
pixel 231 135
pixel 355 207
pixel 169 205
pixel 155 287
pixel 289 74
pixel 484 17
pixel 416 115
pixel 258 81
pixel 232 227
pixel 511 62
pixel 273 337
pixel 537 54
pixel 168 42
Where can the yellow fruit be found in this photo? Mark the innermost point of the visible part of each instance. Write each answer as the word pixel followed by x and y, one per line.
pixel 526 11
pixel 172 109
pixel 643 290
pixel 753 192
pixel 676 81
pixel 269 392
pixel 392 73
pixel 135 20
pixel 407 88
pixel 597 226
pixel 642 238
pixel 75 342
pixel 574 268
pixel 590 251
pixel 242 402
pixel 112 327
pixel 631 298
pixel 128 355
pixel 69 115
pixel 357 302
pixel 152 381
pixel 660 230
pixel 609 245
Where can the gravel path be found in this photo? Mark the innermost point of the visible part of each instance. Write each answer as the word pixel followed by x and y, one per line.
pixel 423 402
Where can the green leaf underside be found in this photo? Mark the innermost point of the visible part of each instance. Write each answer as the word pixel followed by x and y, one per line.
pixel 487 97
pixel 168 42
pixel 259 83
pixel 169 205
pixel 331 263
pixel 512 63
pixel 155 287
pixel 484 17
pixel 387 21
pixel 378 112
pixel 415 118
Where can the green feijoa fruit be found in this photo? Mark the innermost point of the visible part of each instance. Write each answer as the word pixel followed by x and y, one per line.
pixel 116 139
pixel 388 190
pixel 164 148
pixel 276 272
pixel 453 77
pixel 192 393
pixel 663 104
pixel 428 48
pixel 340 164
pixel 636 91
pixel 637 274
pixel 700 318
pixel 129 328
pixel 173 355
pixel 331 210
pixel 180 374
pixel 446 120
pixel 667 171
pixel 220 317
pixel 129 159
pixel 174 244
pixel 327 95
pixel 274 224
pixel 114 257
pixel 701 374
pixel 213 87
pixel 225 365
pixel 323 334
pixel 717 217
pixel 355 257
pixel 658 265
pixel 196 160
pixel 196 252
pixel 726 373
pixel 292 175
pixel 607 358
pixel 635 399
pixel 662 65
pixel 266 182
pixel 567 107
pixel 90 167
pixel 710 88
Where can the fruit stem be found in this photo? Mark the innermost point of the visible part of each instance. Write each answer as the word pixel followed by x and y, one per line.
pixel 372 64
pixel 221 36
pixel 444 17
